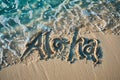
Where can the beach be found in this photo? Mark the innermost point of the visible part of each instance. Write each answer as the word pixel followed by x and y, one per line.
pixel 56 69
pixel 59 40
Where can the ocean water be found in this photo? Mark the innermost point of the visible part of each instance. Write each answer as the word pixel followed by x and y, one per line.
pixel 20 19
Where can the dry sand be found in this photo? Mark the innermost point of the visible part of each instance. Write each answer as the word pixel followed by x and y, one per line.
pixel 55 69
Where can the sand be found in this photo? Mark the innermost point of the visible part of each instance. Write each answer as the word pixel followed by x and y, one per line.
pixel 56 69
pixel 74 20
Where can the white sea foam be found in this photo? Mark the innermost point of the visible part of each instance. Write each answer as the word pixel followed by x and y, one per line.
pixel 43 27
pixel 31 15
pixel 1 55
pixel 3 4
pixel 17 3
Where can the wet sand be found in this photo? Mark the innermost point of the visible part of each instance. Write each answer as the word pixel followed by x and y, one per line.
pixel 56 69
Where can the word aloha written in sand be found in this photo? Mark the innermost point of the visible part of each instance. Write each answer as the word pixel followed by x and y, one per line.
pixel 67 49
pixel 48 45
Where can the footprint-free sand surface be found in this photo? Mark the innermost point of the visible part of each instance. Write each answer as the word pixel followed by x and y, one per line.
pixel 56 69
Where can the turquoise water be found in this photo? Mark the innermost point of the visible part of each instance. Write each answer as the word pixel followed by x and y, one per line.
pixel 30 10
pixel 20 19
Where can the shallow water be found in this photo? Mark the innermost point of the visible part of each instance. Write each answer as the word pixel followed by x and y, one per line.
pixel 20 19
